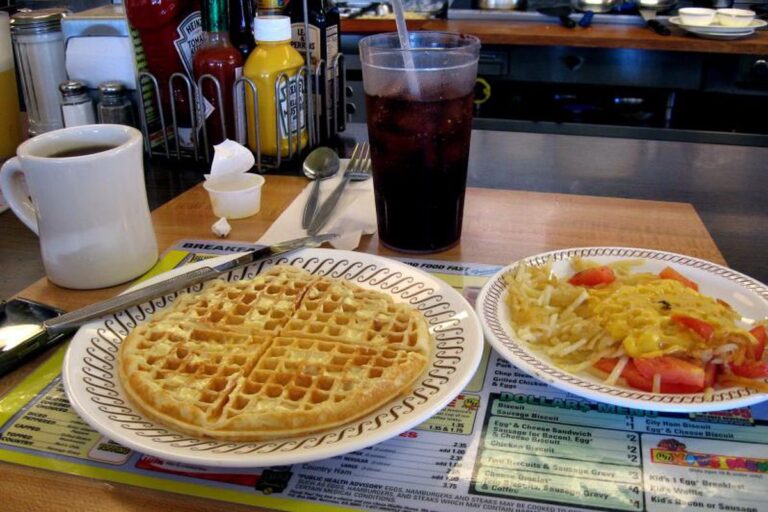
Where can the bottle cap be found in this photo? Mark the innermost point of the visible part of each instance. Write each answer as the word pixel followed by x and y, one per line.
pixel 272 28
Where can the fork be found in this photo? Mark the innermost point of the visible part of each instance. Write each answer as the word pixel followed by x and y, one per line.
pixel 358 169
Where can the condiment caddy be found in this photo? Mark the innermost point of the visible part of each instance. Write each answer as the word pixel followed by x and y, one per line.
pixel 266 99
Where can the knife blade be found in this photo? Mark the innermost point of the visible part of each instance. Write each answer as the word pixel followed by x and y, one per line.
pixel 74 319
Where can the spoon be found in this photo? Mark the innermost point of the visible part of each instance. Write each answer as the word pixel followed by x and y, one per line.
pixel 321 163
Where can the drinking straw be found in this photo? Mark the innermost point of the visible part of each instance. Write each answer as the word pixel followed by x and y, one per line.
pixel 405 44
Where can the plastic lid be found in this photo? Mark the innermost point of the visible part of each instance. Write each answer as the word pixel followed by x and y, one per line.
pixel 272 28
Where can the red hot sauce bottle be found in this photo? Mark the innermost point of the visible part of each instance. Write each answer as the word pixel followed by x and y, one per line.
pixel 217 57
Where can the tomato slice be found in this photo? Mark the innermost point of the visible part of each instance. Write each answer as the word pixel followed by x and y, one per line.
pixel 751 369
pixel 629 373
pixel 606 364
pixel 700 327
pixel 637 380
pixel 593 276
pixel 761 336
pixel 670 273
pixel 672 370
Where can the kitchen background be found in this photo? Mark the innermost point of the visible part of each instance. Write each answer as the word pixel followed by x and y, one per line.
pixel 667 95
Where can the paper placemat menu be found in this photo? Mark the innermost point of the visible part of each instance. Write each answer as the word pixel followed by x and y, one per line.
pixel 507 443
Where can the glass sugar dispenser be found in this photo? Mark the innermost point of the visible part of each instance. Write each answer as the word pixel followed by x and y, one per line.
pixel 39 47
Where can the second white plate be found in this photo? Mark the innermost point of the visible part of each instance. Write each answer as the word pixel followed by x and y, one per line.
pixel 675 20
pixel 748 296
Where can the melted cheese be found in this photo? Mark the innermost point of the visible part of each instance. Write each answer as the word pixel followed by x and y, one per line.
pixel 641 316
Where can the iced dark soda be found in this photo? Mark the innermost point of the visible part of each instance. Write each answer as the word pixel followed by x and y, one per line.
pixel 419 151
pixel 419 104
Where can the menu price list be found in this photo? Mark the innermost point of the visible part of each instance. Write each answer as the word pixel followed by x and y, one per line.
pixel 428 466
pixel 526 448
pixel 545 460
pixel 49 425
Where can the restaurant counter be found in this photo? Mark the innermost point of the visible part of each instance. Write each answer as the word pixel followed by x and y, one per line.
pixel 52 460
pixel 726 185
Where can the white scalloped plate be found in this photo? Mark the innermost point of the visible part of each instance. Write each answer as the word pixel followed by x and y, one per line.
pixel 747 295
pixel 94 390
pixel 717 28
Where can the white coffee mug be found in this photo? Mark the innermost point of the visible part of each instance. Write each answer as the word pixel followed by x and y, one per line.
pixel 90 211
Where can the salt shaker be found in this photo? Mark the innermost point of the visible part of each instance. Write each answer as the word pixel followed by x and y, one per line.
pixel 39 47
pixel 76 105
pixel 114 107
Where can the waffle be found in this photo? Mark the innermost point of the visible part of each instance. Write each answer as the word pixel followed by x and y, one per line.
pixel 283 354
pixel 340 311
pixel 261 305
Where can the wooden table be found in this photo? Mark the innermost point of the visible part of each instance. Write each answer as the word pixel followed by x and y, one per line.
pixel 499 226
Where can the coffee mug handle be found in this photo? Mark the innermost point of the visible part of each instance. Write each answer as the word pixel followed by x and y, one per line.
pixel 11 184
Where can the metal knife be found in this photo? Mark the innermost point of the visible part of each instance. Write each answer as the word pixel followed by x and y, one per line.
pixel 20 342
pixel 69 321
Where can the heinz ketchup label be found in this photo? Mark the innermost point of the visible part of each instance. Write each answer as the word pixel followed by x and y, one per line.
pixel 190 37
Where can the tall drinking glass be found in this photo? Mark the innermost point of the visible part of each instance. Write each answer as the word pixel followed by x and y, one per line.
pixel 419 104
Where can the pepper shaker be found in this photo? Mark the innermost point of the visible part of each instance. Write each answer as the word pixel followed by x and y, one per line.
pixel 114 107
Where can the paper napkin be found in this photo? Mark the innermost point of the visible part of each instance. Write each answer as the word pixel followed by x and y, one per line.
pixel 230 161
pixel 353 217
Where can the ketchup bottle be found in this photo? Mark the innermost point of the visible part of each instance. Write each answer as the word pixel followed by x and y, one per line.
pixel 170 32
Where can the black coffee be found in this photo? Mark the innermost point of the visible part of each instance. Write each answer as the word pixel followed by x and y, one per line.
pixel 81 151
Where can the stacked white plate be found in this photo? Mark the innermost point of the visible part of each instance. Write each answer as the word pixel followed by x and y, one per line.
pixel 717 31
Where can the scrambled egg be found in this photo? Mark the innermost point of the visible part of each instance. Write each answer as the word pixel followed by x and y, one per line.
pixel 640 315
pixel 633 316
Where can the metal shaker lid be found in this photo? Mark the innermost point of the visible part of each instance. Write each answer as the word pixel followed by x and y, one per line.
pixel 71 88
pixel 111 88
pixel 38 21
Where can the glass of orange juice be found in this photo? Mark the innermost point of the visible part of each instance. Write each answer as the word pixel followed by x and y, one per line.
pixel 10 120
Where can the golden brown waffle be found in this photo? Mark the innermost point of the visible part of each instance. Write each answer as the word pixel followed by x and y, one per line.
pixel 283 354
pixel 340 311
pixel 183 374
pixel 259 305
pixel 302 385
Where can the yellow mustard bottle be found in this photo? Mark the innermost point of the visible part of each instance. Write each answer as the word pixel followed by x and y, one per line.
pixel 272 56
